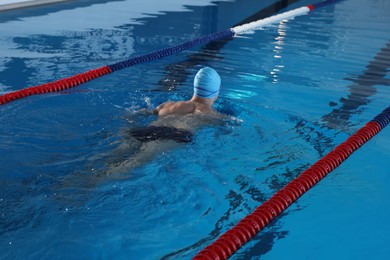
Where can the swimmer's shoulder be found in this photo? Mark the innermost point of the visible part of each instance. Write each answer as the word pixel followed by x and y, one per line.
pixel 179 107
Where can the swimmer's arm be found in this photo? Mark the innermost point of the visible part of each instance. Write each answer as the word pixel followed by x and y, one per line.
pixel 146 111
pixel 227 117
pixel 155 111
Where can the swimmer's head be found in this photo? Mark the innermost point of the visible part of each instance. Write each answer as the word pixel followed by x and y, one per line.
pixel 207 83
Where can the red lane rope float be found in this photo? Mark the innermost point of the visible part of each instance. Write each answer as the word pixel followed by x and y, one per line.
pixel 55 86
pixel 249 226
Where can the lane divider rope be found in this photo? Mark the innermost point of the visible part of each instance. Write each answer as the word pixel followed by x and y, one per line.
pixel 79 79
pixel 252 224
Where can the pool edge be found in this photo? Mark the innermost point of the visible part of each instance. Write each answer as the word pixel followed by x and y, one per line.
pixel 8 7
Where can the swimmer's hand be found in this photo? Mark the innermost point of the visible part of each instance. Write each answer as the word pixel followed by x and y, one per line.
pixel 236 120
pixel 233 121
pixel 230 118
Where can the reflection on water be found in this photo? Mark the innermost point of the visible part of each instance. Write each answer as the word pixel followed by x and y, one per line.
pixel 362 89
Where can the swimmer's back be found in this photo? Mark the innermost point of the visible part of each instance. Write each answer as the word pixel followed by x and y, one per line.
pixel 180 107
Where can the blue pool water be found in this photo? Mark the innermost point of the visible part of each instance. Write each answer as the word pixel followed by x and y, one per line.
pixel 300 87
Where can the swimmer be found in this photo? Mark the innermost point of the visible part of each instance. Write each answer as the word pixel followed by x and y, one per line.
pixel 176 122
pixel 207 84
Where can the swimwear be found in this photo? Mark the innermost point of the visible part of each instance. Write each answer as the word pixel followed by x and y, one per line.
pixel 154 133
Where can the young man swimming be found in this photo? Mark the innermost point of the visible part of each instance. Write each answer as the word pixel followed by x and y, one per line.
pixel 207 84
pixel 176 122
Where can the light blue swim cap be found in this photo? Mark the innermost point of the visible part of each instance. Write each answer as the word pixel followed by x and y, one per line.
pixel 207 83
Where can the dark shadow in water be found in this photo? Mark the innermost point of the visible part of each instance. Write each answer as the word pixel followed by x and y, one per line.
pixel 313 133
pixel 12 75
pixel 361 90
